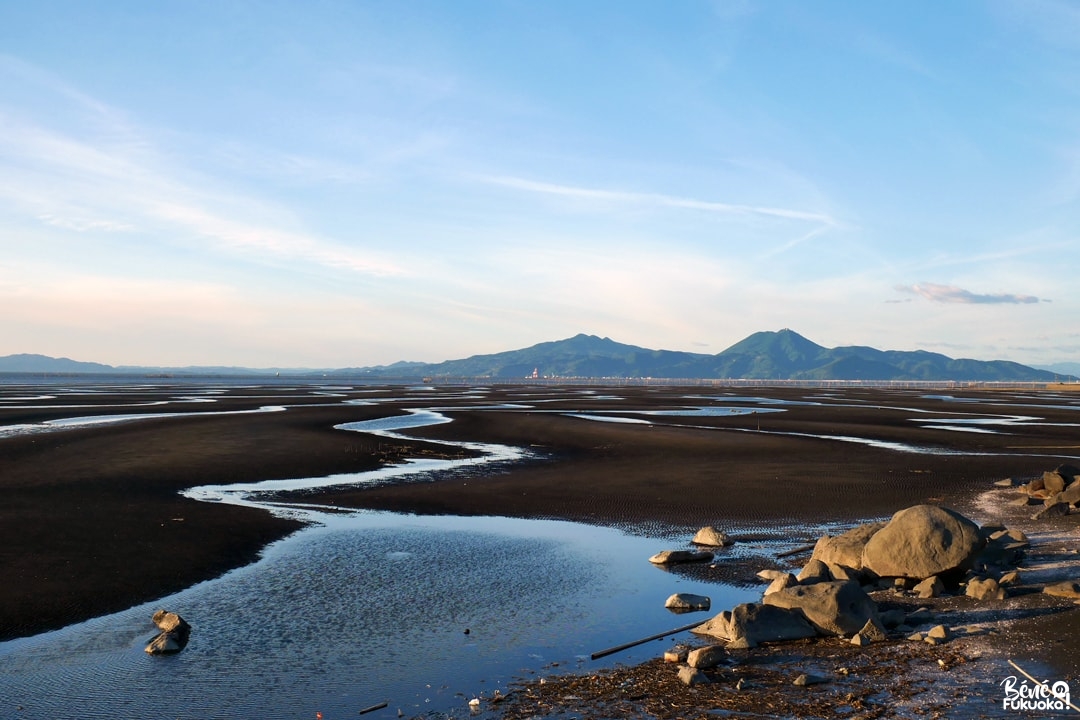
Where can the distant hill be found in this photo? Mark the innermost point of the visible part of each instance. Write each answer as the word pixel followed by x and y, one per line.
pixel 781 355
pixel 1061 368
pixel 26 363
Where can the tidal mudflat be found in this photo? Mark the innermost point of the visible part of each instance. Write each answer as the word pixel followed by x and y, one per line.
pixel 101 524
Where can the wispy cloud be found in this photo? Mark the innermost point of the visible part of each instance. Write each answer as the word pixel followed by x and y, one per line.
pixel 957 295
pixel 115 178
pixel 658 200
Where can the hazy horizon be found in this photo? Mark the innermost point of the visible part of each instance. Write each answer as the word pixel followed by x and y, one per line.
pixel 353 184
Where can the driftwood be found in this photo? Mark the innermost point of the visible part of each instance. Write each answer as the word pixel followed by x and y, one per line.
pixel 1040 683
pixel 373 708
pixel 797 551
pixel 626 646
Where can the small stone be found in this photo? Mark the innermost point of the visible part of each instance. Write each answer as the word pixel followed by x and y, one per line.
pixel 860 640
pixel 687 601
pixel 676 655
pixel 706 657
pixel 1056 509
pixel 984 589
pixel 711 536
pixel 1066 589
pixel 770 575
pixel 1007 482
pixel 692 676
pixel 669 557
pixel 805 680
pixel 740 643
pixel 917 637
pixel 1010 578
pixel 938 632
pixel 873 631
pixel 785 581
pixel 931 587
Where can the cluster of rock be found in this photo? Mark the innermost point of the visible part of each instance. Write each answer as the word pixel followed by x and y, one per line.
pixel 1058 490
pixel 173 636
pixel 921 551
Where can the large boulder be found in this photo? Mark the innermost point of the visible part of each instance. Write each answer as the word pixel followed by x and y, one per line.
pixel 921 541
pixel 846 548
pixel 753 623
pixel 833 608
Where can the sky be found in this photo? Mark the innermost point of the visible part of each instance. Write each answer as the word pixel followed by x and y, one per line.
pixel 341 184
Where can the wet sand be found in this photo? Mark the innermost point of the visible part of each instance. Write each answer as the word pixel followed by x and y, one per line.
pixel 92 522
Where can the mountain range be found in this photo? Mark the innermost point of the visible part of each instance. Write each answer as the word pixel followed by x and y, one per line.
pixel 781 355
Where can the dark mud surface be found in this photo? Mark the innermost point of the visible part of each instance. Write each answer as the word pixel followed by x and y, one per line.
pixel 91 519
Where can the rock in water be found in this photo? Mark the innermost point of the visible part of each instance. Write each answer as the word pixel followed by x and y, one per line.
pixel 174 634
pixel 711 536
pixel 688 601
pixel 670 557
pixel 921 541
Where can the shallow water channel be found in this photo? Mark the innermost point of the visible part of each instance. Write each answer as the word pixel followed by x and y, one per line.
pixel 424 613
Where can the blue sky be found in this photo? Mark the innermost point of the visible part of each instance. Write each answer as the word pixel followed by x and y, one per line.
pixel 331 184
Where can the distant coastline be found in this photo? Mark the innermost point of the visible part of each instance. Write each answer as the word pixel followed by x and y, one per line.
pixel 766 357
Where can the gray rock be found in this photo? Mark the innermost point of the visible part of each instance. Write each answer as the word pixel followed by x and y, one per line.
pixel 692 676
pixel 1054 509
pixel 687 601
pixel 757 623
pixel 669 557
pixel 785 581
pixel 921 541
pixel 984 589
pixel 677 654
pixel 706 657
pixel 770 574
pixel 939 633
pixel 1070 495
pixel 1007 482
pixel 892 618
pixel 711 536
pixel 174 635
pixel 931 587
pixel 1066 589
pixel 1010 578
pixel 873 631
pixel 813 572
pixel 168 621
pixel 846 548
pixel 1053 482
pixel 806 679
pixel 834 608
pixel 842 572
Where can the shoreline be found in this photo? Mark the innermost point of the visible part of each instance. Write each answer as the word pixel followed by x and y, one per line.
pixel 95 522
